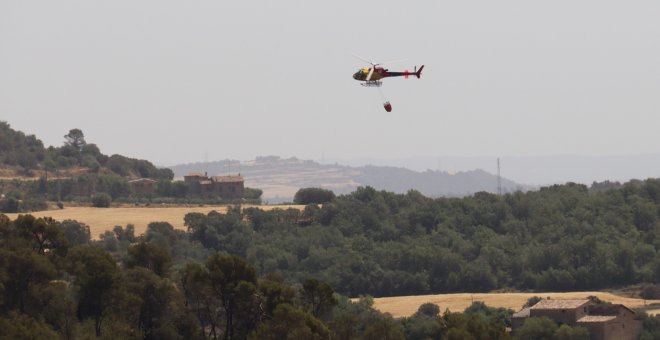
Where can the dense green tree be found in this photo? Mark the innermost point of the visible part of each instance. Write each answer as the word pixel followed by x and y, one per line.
pixel 289 323
pixel 317 296
pixel 155 299
pixel 252 193
pixel 76 233
pixel 472 326
pixel 273 291
pixel 125 234
pixel 566 332
pixel 24 275
pixel 422 328
pixel 495 315
pixel 428 309
pixel 532 301
pixel 168 188
pixel 97 279
pixel 149 256
pixel 537 328
pixel 23 327
pixel 44 234
pixel 234 282
pixel 75 138
pixel 424 324
pixel 101 200
pixel 384 328
pixel 313 196
pixel 200 298
pixel 10 205
pixel 651 326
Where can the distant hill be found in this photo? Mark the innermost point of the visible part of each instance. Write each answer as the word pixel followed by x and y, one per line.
pixel 535 170
pixel 280 178
pixel 24 155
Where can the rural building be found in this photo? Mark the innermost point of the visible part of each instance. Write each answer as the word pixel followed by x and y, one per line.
pixel 227 187
pixel 143 186
pixel 604 321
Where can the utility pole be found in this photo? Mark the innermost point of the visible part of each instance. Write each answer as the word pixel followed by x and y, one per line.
pixel 499 178
pixel 46 184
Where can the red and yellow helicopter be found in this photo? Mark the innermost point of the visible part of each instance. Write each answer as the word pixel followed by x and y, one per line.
pixel 371 76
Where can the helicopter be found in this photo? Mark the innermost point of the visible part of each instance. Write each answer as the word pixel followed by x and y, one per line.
pixel 372 77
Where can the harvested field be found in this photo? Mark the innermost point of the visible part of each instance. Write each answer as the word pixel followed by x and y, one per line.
pixel 401 306
pixel 102 219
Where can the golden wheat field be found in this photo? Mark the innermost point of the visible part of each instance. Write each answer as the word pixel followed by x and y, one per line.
pixel 401 306
pixel 101 219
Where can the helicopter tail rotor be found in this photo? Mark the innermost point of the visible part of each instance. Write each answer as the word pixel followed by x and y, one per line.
pixel 418 74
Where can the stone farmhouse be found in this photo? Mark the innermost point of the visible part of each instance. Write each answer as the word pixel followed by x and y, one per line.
pixel 143 186
pixel 227 187
pixel 604 321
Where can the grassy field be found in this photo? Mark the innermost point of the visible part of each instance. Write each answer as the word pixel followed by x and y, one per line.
pixel 101 219
pixel 401 306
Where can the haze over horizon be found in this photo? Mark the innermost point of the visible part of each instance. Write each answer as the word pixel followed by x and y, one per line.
pixel 529 171
pixel 177 82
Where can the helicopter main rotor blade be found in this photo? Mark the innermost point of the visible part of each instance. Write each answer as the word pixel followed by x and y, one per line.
pixel 363 59
pixel 390 62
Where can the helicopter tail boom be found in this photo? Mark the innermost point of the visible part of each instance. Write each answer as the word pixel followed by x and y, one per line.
pixel 417 73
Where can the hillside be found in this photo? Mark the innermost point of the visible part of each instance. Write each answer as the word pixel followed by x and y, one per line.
pixel 25 156
pixel 281 178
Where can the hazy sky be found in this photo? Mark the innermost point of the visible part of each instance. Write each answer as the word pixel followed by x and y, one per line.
pixel 183 81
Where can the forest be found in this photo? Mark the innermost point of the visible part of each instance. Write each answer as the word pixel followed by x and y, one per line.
pixel 560 238
pixel 256 274
pixel 57 283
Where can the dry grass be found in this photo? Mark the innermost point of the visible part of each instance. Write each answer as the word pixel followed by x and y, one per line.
pixel 102 219
pixel 401 306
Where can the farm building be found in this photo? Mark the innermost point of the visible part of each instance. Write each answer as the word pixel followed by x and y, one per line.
pixel 228 187
pixel 604 321
pixel 143 186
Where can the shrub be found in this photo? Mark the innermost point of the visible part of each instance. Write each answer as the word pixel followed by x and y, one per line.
pixel 101 200
pixel 10 205
pixel 650 292
pixel 313 196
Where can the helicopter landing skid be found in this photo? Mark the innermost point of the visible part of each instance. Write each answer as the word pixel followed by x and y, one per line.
pixel 373 83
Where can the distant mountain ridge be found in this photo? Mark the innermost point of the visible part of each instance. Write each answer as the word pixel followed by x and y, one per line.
pixel 280 178
pixel 535 170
